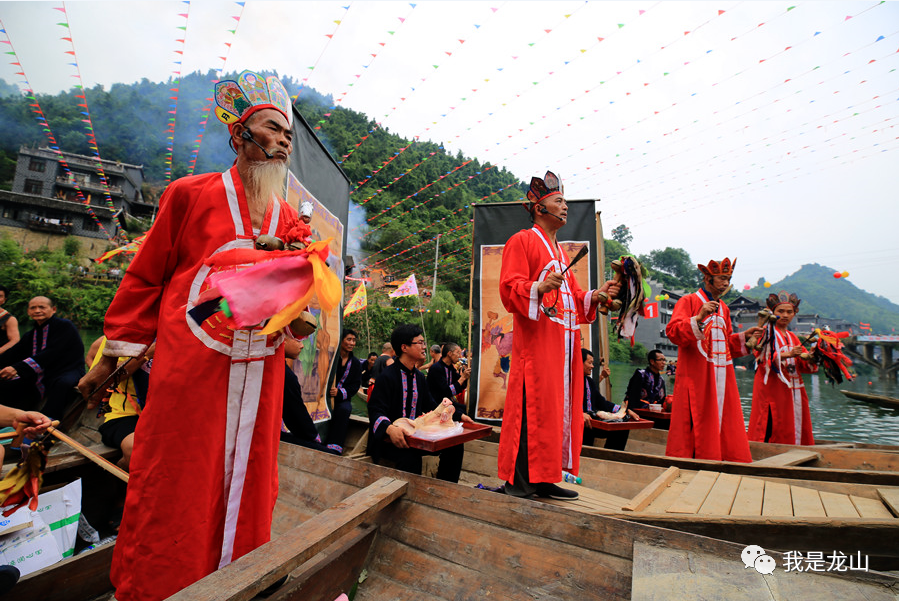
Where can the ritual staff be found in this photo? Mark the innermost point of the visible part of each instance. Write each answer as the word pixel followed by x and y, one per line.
pixel 346 376
pixel 706 418
pixel 647 385
pixel 779 403
pixel 402 391
pixel 445 381
pixel 45 364
pixel 542 424
pixel 204 468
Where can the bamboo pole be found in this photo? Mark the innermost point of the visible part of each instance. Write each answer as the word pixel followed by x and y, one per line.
pixel 105 464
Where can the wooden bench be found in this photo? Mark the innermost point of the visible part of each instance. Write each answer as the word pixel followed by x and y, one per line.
pixel 794 457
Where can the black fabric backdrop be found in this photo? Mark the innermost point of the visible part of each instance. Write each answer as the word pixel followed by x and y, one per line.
pixel 494 224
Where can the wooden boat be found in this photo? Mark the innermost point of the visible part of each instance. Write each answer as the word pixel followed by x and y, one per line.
pixel 86 575
pixel 875 399
pixel 833 462
pixel 777 513
pixel 341 523
pixel 399 536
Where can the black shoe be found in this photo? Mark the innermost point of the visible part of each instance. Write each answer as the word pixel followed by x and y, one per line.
pixel 9 576
pixel 553 491
pixel 509 490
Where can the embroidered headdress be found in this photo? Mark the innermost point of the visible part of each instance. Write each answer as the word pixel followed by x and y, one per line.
pixel 237 100
pixel 783 298
pixel 725 267
pixel 543 188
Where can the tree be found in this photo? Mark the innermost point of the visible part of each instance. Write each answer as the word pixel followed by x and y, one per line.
pixel 672 267
pixel 622 235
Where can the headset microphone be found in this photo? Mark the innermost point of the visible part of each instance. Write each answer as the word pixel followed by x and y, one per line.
pixel 247 135
pixel 545 211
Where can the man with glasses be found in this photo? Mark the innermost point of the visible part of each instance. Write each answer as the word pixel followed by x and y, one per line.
pixel 647 386
pixel 402 391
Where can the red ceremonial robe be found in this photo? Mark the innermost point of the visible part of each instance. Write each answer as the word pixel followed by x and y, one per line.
pixel 546 360
pixel 204 473
pixel 783 394
pixel 706 419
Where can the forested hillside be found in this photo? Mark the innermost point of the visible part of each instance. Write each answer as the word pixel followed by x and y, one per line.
pixel 411 191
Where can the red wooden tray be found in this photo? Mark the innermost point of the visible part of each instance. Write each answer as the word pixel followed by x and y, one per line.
pixel 640 424
pixel 653 415
pixel 471 432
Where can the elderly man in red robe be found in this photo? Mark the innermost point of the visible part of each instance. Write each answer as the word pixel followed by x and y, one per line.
pixel 542 420
pixel 204 468
pixel 779 403
pixel 706 418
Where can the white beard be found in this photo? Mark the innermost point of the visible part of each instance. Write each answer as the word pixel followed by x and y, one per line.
pixel 266 178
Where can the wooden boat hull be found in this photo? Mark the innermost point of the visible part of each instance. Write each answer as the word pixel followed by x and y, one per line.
pixel 439 540
pixel 83 576
pixel 610 486
pixel 875 399
pixel 868 466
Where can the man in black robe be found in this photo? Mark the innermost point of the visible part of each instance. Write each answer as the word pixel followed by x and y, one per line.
pixel 402 391
pixel 445 382
pixel 46 363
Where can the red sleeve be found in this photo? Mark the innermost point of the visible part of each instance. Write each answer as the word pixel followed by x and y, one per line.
pixel 517 290
pixel 132 317
pixel 682 328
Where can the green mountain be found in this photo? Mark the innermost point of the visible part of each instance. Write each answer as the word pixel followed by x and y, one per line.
pixel 837 298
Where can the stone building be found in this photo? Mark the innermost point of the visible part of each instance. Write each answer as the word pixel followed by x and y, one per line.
pixel 45 198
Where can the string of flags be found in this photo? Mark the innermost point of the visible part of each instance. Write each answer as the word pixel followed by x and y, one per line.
pixel 342 96
pixel 305 81
pixel 411 248
pixel 401 176
pixel 424 202
pixel 207 109
pixel 88 123
pixel 173 104
pixel 35 107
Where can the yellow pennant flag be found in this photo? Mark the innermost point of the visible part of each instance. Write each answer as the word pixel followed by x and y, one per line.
pixel 358 302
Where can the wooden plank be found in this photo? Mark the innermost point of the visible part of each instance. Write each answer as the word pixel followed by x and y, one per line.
pixel 81 577
pixel 794 457
pixel 694 495
pixel 721 497
pixel 890 497
pixel 837 505
pixel 748 501
pixel 807 502
pixel 668 496
pixel 652 490
pixel 317 579
pixel 777 501
pixel 244 578
pixel 870 508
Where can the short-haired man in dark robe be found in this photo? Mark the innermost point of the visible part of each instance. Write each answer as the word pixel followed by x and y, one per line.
pixel 46 363
pixel 445 382
pixel 647 386
pixel 402 391
pixel 345 378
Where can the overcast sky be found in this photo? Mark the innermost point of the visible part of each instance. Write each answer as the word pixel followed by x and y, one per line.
pixel 747 129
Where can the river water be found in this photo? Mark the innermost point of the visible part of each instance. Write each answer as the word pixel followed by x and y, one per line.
pixel 834 417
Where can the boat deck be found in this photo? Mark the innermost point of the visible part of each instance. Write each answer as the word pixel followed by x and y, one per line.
pixel 715 494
